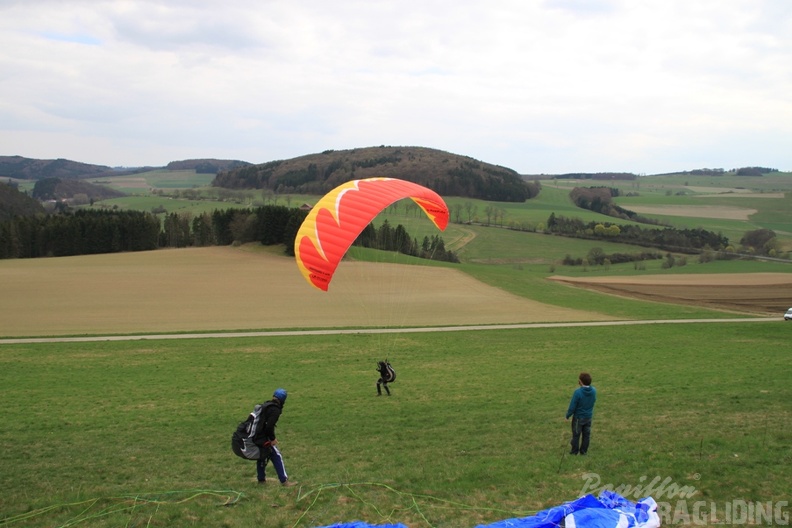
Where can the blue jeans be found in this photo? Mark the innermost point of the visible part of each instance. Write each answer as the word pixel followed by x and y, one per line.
pixel 581 427
pixel 274 454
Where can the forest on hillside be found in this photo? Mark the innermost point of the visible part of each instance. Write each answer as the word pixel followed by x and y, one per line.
pixel 445 173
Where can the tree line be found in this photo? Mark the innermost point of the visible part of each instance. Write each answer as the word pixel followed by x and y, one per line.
pixel 670 239
pixel 388 238
pixel 597 257
pixel 80 233
pixel 88 231
pixel 599 200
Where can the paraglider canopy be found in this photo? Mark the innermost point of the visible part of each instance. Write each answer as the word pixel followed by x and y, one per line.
pixel 341 215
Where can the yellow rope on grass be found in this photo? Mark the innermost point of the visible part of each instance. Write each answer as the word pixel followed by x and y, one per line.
pixel 122 503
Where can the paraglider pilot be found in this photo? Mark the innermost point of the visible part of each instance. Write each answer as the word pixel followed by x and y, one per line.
pixel 387 375
pixel 581 410
pixel 270 449
pixel 254 439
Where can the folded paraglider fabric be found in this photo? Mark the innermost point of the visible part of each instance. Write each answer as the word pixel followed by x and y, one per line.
pixel 610 510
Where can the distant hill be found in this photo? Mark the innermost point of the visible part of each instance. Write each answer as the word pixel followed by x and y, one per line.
pixel 14 203
pixel 446 173
pixel 36 169
pixel 207 166
pixel 22 168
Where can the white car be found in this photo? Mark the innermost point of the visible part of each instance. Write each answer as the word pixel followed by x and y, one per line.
pixel 788 315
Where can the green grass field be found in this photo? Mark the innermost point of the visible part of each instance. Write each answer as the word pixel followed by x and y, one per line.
pixel 137 433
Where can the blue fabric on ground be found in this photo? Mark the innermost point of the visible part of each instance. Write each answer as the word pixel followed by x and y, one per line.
pixel 610 510
pixel 550 518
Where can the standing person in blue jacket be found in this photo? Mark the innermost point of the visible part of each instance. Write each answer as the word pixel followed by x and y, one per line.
pixel 581 409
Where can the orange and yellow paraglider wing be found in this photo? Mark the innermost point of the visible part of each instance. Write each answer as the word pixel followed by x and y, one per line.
pixel 437 212
pixel 341 215
pixel 316 248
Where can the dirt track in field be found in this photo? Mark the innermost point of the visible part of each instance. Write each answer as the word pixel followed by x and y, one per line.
pixel 755 293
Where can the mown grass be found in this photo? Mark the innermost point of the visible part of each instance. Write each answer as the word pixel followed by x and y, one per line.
pixel 156 179
pixel 137 433
pixel 149 203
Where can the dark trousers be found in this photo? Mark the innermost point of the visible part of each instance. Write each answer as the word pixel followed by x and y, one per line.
pixel 274 454
pixel 383 383
pixel 581 427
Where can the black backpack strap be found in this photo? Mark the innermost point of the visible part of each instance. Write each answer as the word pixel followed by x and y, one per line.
pixel 262 421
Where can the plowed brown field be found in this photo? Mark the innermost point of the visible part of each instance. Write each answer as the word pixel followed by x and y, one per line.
pixel 758 293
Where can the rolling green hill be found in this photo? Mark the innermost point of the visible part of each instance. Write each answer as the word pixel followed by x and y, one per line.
pixel 37 169
pixel 448 174
pixel 22 168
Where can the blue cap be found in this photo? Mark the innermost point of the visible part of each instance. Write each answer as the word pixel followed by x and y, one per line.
pixel 281 395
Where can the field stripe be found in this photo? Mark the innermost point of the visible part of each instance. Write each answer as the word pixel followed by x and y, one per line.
pixel 279 333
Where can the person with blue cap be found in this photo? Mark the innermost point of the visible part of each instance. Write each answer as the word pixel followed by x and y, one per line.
pixel 265 437
pixel 271 414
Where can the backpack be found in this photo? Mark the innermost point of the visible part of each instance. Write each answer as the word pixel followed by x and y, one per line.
pixel 243 439
pixel 387 373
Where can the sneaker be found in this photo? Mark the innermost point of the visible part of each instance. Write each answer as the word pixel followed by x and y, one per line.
pixel 288 484
pixel 262 482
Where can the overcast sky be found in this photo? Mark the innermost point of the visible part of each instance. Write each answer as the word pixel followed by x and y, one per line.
pixel 539 86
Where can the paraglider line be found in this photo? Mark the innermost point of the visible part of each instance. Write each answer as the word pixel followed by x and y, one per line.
pixel 563 451
pixel 121 504
pixel 413 497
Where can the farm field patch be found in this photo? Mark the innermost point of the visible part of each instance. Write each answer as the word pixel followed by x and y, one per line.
pixel 223 288
pixel 200 289
pixel 698 211
pixel 736 192
pixel 759 293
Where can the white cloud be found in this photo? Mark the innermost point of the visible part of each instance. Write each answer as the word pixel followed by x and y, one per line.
pixel 538 85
